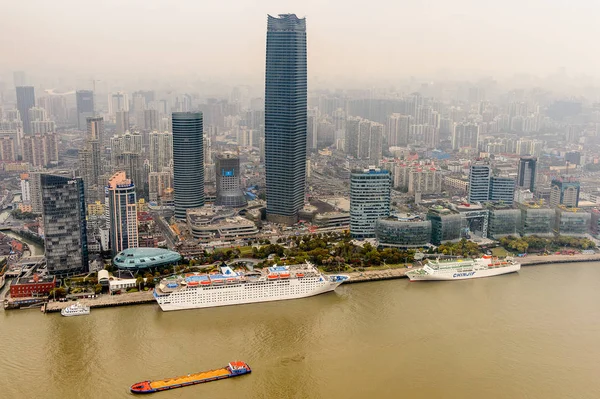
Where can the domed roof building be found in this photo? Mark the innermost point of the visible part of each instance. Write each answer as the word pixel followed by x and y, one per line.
pixel 145 258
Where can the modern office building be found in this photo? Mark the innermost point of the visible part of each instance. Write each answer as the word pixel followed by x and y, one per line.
pixel 188 162
pixel 564 191
pixel 370 194
pixel 502 189
pixel 446 225
pixel 537 220
pixel 229 191
pixel 122 205
pixel 503 222
pixel 25 101
pixel 479 182
pixel 85 107
pixel 285 117
pixel 526 173
pixel 573 222
pixel 65 226
pixel 403 232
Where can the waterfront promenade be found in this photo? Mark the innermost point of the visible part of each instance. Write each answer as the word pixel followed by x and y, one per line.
pixel 137 298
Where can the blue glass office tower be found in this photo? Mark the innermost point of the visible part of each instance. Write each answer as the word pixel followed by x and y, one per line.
pixel 188 162
pixel 65 226
pixel 285 117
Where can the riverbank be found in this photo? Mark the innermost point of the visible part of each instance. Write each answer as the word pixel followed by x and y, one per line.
pixel 138 298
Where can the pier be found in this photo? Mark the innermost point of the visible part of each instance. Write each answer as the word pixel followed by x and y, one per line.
pixel 103 301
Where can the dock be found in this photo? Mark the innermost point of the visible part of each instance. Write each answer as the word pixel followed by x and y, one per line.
pixel 104 301
pixel 376 275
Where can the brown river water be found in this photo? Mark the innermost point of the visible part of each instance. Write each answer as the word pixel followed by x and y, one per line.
pixel 535 334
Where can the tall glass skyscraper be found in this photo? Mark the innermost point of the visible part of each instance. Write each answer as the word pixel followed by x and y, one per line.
pixel 526 174
pixel 25 101
pixel 285 117
pixel 65 226
pixel 85 107
pixel 188 162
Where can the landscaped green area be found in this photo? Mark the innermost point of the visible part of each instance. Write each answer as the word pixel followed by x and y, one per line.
pixel 541 244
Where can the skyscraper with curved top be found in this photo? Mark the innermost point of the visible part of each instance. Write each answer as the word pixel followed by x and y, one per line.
pixel 188 162
pixel 285 117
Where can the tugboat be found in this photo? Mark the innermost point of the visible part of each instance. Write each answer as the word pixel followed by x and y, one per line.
pixel 76 309
pixel 233 369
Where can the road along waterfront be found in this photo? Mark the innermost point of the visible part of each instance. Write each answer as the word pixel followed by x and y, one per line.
pixel 529 334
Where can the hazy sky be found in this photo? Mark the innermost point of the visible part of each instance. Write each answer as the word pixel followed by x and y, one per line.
pixel 372 39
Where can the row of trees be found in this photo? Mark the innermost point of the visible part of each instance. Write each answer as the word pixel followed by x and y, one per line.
pixel 538 244
pixel 461 248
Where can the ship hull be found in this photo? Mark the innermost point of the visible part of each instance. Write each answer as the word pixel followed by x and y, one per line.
pixel 455 275
pixel 241 294
pixel 146 387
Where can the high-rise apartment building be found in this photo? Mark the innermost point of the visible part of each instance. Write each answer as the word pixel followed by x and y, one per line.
pixel 150 121
pixel 161 150
pixel 188 162
pixel 95 128
pixel 479 182
pixel 370 195
pixel 398 126
pixel 465 135
pixel 229 191
pixel 85 107
pixel 122 205
pixel 526 173
pixel 65 227
pixel 25 101
pixel 122 121
pixel 285 117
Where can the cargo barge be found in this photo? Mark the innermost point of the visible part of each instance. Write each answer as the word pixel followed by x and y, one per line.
pixel 233 369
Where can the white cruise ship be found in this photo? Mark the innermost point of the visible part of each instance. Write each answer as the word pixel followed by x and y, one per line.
pixel 76 309
pixel 462 269
pixel 277 283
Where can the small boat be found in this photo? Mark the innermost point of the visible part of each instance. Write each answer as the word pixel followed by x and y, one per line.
pixel 284 275
pixel 205 282
pixel 76 309
pixel 273 276
pixel 233 369
pixel 299 275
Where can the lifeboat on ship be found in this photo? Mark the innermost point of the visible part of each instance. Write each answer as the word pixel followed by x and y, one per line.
pixel 299 275
pixel 205 282
pixel 273 276
pixel 193 284
pixel 284 275
pixel 218 281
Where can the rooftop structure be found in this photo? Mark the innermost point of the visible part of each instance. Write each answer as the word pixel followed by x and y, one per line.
pixel 218 223
pixel 145 258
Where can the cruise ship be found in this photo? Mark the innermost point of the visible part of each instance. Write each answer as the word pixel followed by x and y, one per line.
pixel 462 269
pixel 195 290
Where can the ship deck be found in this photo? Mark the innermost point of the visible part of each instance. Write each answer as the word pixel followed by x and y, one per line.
pixel 190 378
